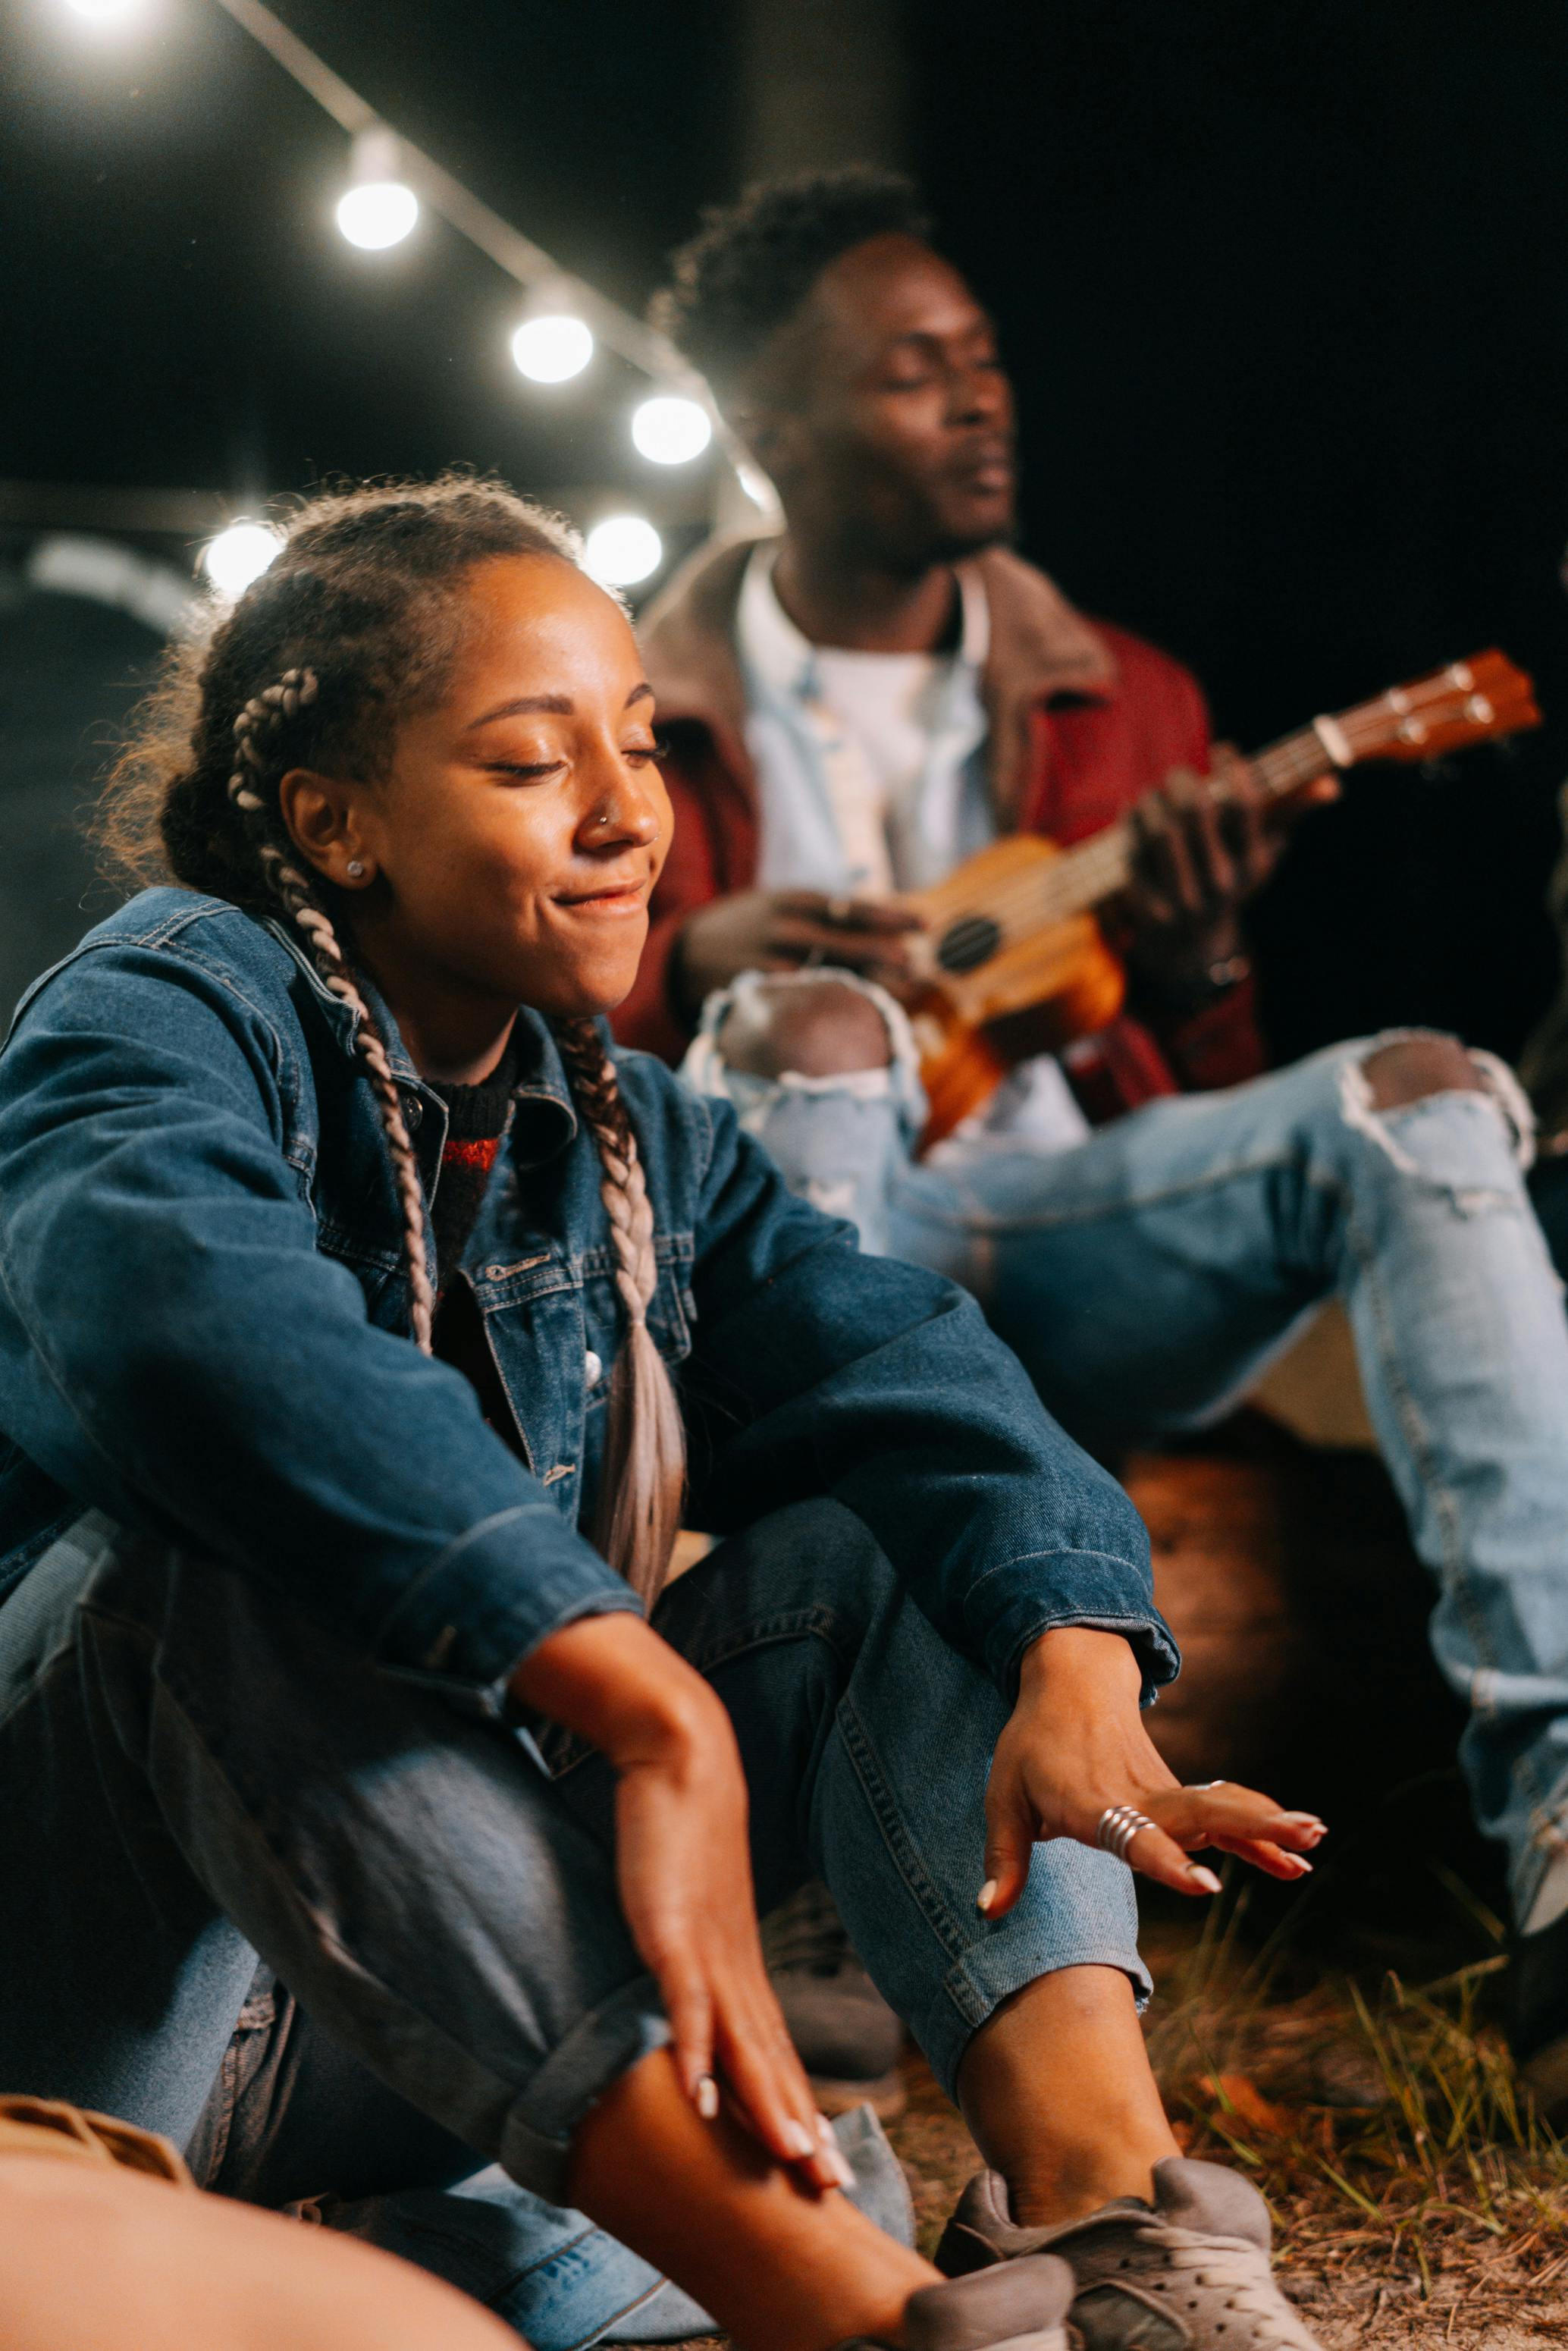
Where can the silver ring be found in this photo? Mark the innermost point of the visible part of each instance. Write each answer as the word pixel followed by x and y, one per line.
pixel 1119 1825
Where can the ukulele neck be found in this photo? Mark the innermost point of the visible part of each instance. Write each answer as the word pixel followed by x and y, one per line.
pixel 1084 876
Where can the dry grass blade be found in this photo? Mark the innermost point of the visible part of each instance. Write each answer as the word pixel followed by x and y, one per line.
pixel 1426 2184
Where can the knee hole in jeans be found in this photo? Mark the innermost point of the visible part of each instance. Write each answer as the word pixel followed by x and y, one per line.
pixel 812 1029
pixel 1415 1067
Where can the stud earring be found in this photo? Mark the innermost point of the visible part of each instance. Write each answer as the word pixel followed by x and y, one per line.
pixel 356 870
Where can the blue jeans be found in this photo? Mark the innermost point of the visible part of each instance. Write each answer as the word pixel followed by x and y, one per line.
pixel 208 1798
pixel 1147 1276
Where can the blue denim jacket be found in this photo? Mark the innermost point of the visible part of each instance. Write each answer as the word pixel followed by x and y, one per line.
pixel 204 1316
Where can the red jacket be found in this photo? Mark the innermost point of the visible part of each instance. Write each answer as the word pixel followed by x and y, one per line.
pixel 1084 719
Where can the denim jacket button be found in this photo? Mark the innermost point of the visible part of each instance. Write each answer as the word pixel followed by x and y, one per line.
pixel 592 1369
pixel 413 1111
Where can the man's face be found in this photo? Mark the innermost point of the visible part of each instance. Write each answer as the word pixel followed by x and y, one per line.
pixel 883 412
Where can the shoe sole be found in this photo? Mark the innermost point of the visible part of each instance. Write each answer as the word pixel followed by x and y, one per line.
pixel 886 2096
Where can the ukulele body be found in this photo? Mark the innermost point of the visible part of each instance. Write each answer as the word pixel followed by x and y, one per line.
pixel 996 948
pixel 1064 977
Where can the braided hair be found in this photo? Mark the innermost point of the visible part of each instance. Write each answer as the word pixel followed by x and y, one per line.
pixel 356 622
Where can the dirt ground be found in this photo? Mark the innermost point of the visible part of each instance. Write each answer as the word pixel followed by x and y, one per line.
pixel 1351 2307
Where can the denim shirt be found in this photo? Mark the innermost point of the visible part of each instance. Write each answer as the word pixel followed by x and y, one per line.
pixel 204 1332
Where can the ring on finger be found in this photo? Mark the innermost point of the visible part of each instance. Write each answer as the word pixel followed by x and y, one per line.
pixel 1119 1825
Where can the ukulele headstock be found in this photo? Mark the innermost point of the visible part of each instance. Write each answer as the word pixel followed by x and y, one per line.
pixel 1477 701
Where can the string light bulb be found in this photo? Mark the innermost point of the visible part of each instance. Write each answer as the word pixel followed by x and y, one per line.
pixel 622 549
pixel 670 429
pixel 552 345
pixel 239 555
pixel 104 12
pixel 377 209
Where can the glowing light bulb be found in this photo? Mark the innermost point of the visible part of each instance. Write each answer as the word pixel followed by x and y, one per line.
pixel 239 555
pixel 377 214
pixel 552 347
pixel 104 12
pixel 671 430
pixel 622 549
pixel 378 208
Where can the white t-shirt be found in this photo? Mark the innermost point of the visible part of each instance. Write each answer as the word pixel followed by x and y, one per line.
pixel 871 774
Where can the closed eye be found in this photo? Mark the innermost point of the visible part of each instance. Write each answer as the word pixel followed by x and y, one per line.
pixel 528 774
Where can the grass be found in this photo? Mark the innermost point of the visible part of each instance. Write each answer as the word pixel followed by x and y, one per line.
pixel 1416 2201
pixel 1384 2126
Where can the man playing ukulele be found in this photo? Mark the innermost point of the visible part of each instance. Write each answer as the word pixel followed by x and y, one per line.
pixel 855 706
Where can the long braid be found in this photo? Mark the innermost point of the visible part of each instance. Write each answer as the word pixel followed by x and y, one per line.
pixel 258 726
pixel 370 591
pixel 644 1479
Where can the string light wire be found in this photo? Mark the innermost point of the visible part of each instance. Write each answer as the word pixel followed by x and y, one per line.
pixel 640 345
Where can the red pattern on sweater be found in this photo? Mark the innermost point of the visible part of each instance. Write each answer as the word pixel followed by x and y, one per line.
pixel 481 1154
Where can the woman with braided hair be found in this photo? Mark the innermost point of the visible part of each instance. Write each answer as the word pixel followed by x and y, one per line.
pixel 365 1325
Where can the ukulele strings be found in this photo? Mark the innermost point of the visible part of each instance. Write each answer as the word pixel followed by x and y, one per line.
pixel 1090 869
pixel 1077 879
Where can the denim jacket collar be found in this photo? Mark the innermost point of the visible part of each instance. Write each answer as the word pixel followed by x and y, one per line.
pixel 541 1095
pixel 204 1267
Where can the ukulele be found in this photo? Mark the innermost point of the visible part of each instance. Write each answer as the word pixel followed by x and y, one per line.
pixel 1013 929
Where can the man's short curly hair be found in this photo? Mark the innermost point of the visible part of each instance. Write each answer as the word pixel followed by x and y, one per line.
pixel 752 263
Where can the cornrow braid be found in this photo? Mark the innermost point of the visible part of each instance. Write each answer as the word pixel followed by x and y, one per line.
pixel 256 729
pixel 640 1503
pixel 360 619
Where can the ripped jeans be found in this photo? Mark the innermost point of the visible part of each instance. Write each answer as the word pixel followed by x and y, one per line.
pixel 1147 1276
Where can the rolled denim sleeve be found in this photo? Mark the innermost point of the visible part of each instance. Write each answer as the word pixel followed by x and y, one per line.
pixel 176 1349
pixel 816 1370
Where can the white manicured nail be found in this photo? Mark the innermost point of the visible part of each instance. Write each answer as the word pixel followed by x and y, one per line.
pixel 1204 1877
pixel 707 2098
pixel 798 2139
pixel 987 1895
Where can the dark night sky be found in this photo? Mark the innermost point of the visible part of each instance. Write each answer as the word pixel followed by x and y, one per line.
pixel 1285 287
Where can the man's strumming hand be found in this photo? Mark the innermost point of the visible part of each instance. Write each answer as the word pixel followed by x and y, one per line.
pixel 786 929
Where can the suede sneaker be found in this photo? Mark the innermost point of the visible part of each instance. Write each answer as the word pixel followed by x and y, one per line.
pixel 844 2032
pixel 1021 2308
pixel 1188 2272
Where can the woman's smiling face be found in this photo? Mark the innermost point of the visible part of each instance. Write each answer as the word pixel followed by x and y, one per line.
pixel 511 846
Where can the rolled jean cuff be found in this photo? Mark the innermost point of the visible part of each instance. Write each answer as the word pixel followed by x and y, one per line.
pixel 1019 1949
pixel 536 2140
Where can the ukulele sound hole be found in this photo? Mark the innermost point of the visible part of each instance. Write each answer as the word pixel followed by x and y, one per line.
pixel 972 940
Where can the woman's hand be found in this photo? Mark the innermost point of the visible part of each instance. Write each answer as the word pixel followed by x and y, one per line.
pixel 684 1871
pixel 1075 1746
